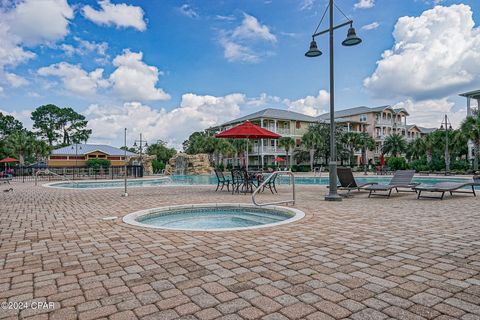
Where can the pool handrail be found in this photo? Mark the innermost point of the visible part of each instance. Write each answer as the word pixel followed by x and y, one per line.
pixel 260 187
pixel 46 171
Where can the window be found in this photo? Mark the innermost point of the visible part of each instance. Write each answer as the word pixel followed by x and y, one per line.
pixel 363 118
pixel 58 157
pixel 298 125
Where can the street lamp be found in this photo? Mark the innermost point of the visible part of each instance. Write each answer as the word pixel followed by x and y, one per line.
pixel 125 193
pixel 142 145
pixel 313 51
pixel 76 158
pixel 447 127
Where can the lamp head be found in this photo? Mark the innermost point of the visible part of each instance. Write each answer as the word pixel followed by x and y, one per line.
pixel 450 127
pixel 313 51
pixel 441 127
pixel 352 39
pixel 135 144
pixel 146 144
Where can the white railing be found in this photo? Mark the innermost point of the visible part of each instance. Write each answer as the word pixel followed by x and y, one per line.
pixel 384 122
pixel 261 186
pixel 267 149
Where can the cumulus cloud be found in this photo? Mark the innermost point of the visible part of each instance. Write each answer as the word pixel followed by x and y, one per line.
pixel 194 113
pixel 252 29
pixel 15 80
pixel 75 79
pixel 244 43
pixel 85 47
pixel 364 4
pixel 310 105
pixel 429 113
pixel 371 26
pixel 435 55
pixel 36 22
pixel 134 80
pixel 188 11
pixel 120 15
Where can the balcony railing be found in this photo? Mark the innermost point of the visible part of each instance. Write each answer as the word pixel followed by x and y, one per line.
pixel 283 131
pixel 267 149
pixel 384 122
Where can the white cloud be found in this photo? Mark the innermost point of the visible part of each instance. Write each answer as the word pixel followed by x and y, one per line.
pixel 224 18
pixel 364 4
pixel 233 51
pixel 371 26
pixel 429 113
pixel 75 79
pixel 252 29
pixel 307 4
pixel 23 116
pixel 188 11
pixel 310 105
pixel 134 80
pixel 36 22
pixel 15 80
pixel 120 15
pixel 435 55
pixel 195 113
pixel 244 43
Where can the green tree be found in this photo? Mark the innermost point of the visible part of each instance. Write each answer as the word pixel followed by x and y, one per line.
pixel 394 145
pixel 9 125
pixel 367 143
pixel 161 151
pixel 311 141
pixel 287 143
pixel 56 124
pixel 352 141
pixel 416 149
pixel 20 144
pixel 471 129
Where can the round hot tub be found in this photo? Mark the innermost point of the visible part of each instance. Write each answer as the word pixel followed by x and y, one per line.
pixel 213 217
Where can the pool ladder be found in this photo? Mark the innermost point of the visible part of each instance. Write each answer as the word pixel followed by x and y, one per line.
pixel 274 174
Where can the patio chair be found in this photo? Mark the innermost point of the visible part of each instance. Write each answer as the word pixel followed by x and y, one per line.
pixel 271 185
pixel 238 180
pixel 221 180
pixel 6 180
pixel 348 182
pixel 443 187
pixel 401 179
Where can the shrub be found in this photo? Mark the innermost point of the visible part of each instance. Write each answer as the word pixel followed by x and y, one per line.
pixel 460 165
pixel 157 165
pixel 98 163
pixel 300 168
pixel 397 163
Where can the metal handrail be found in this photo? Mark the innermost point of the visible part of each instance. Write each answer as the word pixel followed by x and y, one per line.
pixel 274 174
pixel 47 171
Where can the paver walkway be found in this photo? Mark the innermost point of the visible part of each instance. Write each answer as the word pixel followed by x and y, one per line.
pixel 363 258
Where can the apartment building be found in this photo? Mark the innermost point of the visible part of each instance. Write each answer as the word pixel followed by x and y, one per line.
pixel 378 122
pixel 471 96
pixel 285 123
pixel 77 155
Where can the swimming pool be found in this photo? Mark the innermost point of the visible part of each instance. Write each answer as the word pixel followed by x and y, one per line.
pixel 212 180
pixel 213 217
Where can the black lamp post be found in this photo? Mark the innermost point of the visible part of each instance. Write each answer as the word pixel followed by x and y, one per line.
pixel 142 145
pixel 76 158
pixel 351 40
pixel 447 126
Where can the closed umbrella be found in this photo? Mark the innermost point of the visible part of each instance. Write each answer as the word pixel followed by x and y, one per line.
pixel 247 130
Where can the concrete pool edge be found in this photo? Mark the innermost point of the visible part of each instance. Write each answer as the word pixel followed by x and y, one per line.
pixel 131 218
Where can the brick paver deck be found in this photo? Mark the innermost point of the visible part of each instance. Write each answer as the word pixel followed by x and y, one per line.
pixel 360 259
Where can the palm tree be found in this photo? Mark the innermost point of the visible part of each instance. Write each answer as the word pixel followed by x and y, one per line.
pixel 367 143
pixel 395 145
pixel 429 142
pixel 471 128
pixel 353 141
pixel 287 143
pixel 311 141
pixel 416 149
pixel 20 144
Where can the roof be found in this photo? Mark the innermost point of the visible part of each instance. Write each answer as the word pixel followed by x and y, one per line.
pixel 359 110
pixel 472 94
pixel 272 113
pixel 89 148
pixel 427 130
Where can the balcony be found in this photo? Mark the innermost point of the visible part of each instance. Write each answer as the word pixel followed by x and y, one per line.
pixel 267 150
pixel 383 122
pixel 281 131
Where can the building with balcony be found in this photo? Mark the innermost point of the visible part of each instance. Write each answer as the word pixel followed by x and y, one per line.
pixel 285 123
pixel 471 96
pixel 77 155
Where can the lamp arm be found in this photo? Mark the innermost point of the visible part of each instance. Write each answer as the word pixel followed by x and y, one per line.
pixel 349 22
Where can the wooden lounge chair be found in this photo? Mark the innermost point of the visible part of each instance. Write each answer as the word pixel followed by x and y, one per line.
pixel 401 179
pixel 348 182
pixel 443 187
pixel 221 180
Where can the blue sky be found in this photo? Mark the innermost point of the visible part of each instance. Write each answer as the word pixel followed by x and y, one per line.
pixel 168 68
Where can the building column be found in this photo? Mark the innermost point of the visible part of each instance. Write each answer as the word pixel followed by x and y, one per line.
pixel 275 140
pixel 469 109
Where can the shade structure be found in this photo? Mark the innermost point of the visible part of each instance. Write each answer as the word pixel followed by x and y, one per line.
pixel 247 130
pixel 8 160
pixel 279 159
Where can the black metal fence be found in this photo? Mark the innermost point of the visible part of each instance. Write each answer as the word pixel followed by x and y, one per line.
pixel 26 174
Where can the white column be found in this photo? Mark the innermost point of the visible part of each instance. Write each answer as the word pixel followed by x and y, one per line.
pixel 469 110
pixel 275 141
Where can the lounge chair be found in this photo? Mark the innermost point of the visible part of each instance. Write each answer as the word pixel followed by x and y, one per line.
pixel 348 182
pixel 6 180
pixel 221 180
pixel 442 187
pixel 401 179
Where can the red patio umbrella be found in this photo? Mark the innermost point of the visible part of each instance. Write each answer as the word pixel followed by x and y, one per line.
pixel 8 160
pixel 247 130
pixel 279 159
pixel 382 160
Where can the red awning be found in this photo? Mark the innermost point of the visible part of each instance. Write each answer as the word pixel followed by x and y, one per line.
pixel 8 160
pixel 247 130
pixel 279 159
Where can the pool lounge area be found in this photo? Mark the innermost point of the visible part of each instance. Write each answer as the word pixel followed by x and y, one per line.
pixel 362 258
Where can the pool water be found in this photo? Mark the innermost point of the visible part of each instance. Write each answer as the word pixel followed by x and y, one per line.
pixel 212 180
pixel 214 218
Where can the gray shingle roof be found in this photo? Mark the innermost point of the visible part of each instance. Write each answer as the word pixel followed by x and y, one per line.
pixel 357 110
pixel 272 113
pixel 88 148
pixel 427 130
